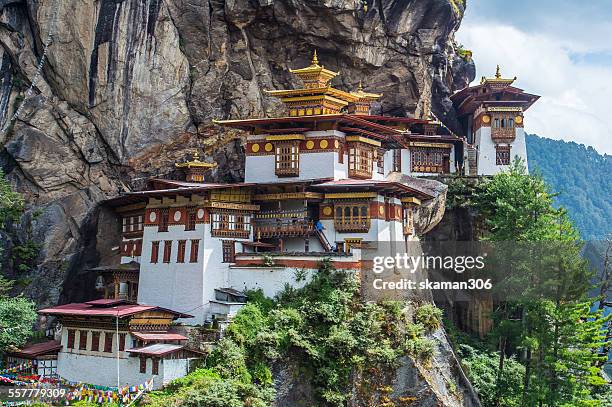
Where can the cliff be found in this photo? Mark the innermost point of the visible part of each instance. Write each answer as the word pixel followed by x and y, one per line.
pixel 129 85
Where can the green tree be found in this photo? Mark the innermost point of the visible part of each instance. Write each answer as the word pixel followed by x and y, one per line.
pixel 17 316
pixel 558 336
pixel 11 202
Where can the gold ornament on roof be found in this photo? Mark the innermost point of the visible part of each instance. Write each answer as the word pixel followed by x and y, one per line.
pixel 498 81
pixel 195 163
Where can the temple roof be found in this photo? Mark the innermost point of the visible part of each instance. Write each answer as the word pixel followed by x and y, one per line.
pixel 380 186
pixel 116 308
pixel 31 351
pixel 315 71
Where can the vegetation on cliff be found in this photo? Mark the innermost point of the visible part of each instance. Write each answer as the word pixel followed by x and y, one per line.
pixel 551 327
pixel 324 329
pixel 17 314
pixel 581 177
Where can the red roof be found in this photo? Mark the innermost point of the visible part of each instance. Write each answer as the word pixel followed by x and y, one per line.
pixel 106 302
pixel 122 310
pixel 378 185
pixel 156 349
pixel 164 336
pixel 37 349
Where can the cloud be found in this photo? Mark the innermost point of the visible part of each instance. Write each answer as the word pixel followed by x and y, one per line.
pixel 574 89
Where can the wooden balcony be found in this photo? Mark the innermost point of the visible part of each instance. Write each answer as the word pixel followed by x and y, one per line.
pixel 362 225
pixel 359 173
pixel 237 233
pixel 284 228
pixel 503 134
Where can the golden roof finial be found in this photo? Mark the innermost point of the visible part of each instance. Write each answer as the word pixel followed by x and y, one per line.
pixel 315 60
pixel 195 162
pixel 497 72
pixel 360 87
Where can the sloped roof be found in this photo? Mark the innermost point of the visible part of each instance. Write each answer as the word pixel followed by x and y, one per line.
pixel 120 310
pixel 34 350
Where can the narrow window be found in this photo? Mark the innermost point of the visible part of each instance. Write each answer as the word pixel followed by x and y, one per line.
pixel 83 340
pixel 193 255
pixel 180 257
pixel 155 367
pixel 397 160
pixel 191 218
pixel 380 162
pixel 154 252
pixel 229 251
pixel 71 334
pixel 163 220
pixel 143 365
pixel 121 342
pixel 95 341
pixel 108 342
pixel 167 250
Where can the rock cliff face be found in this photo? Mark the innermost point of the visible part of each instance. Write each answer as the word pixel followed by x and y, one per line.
pixel 130 84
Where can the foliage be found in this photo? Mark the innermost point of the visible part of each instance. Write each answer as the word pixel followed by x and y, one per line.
pixel 582 178
pixel 11 202
pixel 481 367
pixel 325 329
pixel 557 337
pixel 17 315
pixel 429 315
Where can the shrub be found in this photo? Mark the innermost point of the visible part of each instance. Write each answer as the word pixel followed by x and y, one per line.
pixel 429 316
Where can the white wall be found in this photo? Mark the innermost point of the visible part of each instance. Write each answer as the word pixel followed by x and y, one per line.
pixel 261 168
pixel 486 150
pixel 177 286
pixel 173 369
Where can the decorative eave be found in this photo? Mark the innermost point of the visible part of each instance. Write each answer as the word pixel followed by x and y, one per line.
pixel 498 80
pixel 365 96
pixel 315 71
pixel 291 95
pixel 285 137
pixel 364 140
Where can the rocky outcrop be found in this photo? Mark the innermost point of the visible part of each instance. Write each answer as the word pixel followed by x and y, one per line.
pixel 130 85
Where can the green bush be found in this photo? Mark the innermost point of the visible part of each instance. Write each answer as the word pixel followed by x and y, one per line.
pixel 429 316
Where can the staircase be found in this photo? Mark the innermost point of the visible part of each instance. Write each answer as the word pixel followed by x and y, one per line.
pixel 472 168
pixel 324 242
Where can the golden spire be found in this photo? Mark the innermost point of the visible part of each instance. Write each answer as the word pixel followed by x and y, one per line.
pixel 315 60
pixel 195 162
pixel 497 80
pixel 360 87
pixel 497 72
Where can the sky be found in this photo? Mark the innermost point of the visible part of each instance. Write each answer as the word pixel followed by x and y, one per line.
pixel 558 49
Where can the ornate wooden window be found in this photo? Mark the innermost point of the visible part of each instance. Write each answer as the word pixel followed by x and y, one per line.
pixel 191 218
pixel 154 252
pixel 95 341
pixel 352 217
pixel 503 125
pixel 143 365
pixel 193 254
pixel 71 335
pixel 397 160
pixel 83 340
pixel 229 251
pixel 167 250
pixel 380 162
pixel 430 159
pixel 287 159
pixel 231 224
pixel 163 220
pixel 408 219
pixel 360 160
pixel 502 155
pixel 180 256
pixel 108 342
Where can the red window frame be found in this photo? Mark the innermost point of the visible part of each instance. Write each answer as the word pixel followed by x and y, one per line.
pixel 193 255
pixel 191 218
pixel 95 341
pixel 143 365
pixel 82 340
pixel 108 342
pixel 180 257
pixel 154 252
pixel 167 250
pixel 121 342
pixel 155 367
pixel 71 336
